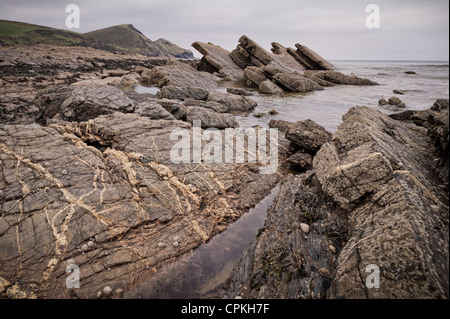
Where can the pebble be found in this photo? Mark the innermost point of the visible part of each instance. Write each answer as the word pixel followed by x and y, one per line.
pixel 175 243
pixel 304 227
pixel 273 112
pixel 99 294
pixel 90 243
pixel 332 248
pixel 84 248
pixel 64 172
pixel 161 244
pixel 324 271
pixel 119 293
pixel 107 291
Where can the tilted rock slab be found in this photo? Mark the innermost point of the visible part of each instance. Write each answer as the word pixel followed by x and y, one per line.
pixel 220 60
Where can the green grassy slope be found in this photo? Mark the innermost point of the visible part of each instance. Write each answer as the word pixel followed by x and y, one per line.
pixel 121 38
pixel 174 49
pixel 126 38
pixel 12 32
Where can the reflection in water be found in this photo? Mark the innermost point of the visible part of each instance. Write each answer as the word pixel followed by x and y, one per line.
pixel 328 106
pixel 205 269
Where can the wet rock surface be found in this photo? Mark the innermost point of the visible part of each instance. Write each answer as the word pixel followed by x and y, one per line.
pixel 86 176
pixel 110 179
pixel 375 196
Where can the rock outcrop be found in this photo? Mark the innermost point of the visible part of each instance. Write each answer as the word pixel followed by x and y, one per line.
pixel 218 59
pixel 178 74
pixel 103 194
pixel 393 101
pixel 301 70
pixel 306 138
pixel 374 200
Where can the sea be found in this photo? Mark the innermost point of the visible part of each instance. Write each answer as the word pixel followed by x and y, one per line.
pixel 421 90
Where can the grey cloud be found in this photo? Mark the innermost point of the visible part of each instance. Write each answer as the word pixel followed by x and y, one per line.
pixel 336 29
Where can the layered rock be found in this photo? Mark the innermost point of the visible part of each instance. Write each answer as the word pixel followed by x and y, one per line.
pixel 374 200
pixel 217 58
pixel 285 261
pixel 232 102
pixel 296 83
pixel 330 78
pixel 178 74
pixel 310 59
pixel 104 195
pixel 302 70
pixel 306 138
pixel 210 119
pixel 85 103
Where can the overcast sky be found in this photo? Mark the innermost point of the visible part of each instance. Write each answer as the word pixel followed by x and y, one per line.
pixel 409 29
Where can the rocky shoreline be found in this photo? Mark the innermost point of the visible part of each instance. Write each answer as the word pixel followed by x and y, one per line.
pixel 86 178
pixel 377 194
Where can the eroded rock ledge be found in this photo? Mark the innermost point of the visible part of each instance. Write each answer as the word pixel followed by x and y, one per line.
pixel 108 183
pixel 375 196
pixel 283 69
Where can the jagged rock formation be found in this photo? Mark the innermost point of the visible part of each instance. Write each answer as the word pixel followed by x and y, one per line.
pixel 178 74
pixel 182 82
pixel 300 70
pixel 217 59
pixel 375 196
pixel 104 194
pixel 306 138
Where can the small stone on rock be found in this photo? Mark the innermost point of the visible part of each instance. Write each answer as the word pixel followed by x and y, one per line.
pixel 119 293
pixel 107 291
pixel 324 271
pixel 84 248
pixel 304 227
